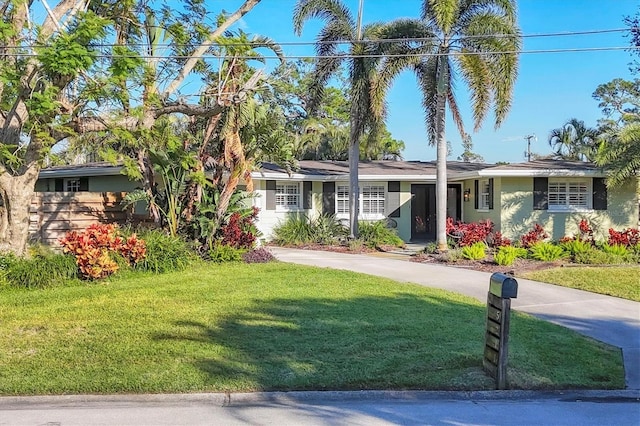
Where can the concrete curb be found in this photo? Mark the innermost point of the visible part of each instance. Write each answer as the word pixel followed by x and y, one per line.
pixel 310 397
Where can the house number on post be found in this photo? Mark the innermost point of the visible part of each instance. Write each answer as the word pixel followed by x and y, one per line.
pixel 502 288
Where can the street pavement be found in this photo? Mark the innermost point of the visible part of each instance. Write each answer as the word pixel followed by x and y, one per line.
pixel 620 408
pixel 608 319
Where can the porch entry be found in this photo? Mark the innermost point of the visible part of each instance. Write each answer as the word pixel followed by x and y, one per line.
pixel 423 209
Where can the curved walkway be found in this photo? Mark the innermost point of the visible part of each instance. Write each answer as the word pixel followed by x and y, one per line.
pixel 605 318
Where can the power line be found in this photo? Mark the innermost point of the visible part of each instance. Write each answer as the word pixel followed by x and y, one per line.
pixel 349 56
pixel 257 43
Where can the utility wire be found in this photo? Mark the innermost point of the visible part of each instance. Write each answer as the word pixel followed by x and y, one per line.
pixel 349 56
pixel 257 43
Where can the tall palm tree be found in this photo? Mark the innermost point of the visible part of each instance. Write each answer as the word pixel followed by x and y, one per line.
pixel 574 141
pixel 361 54
pixel 478 41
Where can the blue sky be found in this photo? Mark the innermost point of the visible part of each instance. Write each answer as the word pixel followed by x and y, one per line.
pixel 551 87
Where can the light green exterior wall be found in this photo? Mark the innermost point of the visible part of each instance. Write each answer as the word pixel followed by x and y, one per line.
pixel 518 216
pixel 469 212
pixel 404 221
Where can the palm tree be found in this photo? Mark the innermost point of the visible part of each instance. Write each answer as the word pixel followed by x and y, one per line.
pixel 362 57
pixel 477 41
pixel 574 141
pixel 619 153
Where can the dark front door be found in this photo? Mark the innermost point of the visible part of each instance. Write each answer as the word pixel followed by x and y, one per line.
pixel 423 212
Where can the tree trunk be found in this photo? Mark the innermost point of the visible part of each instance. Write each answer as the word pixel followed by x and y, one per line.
pixel 441 156
pixel 16 194
pixel 354 190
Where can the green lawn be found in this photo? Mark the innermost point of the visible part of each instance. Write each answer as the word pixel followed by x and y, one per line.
pixel 238 327
pixel 623 281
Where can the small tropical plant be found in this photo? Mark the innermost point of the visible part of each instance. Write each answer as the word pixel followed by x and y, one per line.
pixel 628 237
pixel 475 251
pixel 507 255
pixel 576 246
pixel 41 271
pixel 536 235
pixel 295 230
pixel 616 250
pixel 92 247
pixel 225 253
pixel 466 234
pixel 377 234
pixel 259 255
pixel 546 252
pixel 165 253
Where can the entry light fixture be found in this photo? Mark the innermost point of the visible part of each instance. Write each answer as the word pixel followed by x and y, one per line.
pixel 467 194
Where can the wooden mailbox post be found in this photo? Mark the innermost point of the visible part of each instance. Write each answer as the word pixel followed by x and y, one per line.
pixel 502 288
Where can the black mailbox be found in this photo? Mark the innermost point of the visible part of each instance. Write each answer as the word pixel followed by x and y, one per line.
pixel 503 286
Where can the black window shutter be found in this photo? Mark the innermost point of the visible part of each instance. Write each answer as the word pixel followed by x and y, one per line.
pixel 271 195
pixel 393 199
pixel 306 195
pixel 599 194
pixel 328 197
pixel 476 194
pixel 540 193
pixel 84 184
pixel 490 193
pixel 59 185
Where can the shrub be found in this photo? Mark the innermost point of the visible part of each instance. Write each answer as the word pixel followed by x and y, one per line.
pixel 466 234
pixel 506 255
pixel 546 252
pixel 451 256
pixel 41 271
pixel 616 250
pixel 597 257
pixel 326 229
pixel 495 239
pixel 574 247
pixel 629 237
pixel 296 230
pixel 376 234
pixel 356 245
pixel 536 235
pixel 431 248
pixel 259 255
pixel 164 252
pixel 92 248
pixel 240 231
pixel 223 253
pixel 475 251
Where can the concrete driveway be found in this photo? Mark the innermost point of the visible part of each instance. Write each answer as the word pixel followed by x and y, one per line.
pixel 605 318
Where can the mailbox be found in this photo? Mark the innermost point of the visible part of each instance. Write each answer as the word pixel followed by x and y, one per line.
pixel 503 286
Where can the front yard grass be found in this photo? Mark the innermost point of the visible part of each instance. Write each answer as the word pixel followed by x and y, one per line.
pixel 623 281
pixel 238 327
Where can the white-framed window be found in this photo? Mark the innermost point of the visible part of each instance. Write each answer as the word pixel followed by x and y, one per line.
pixel 372 200
pixel 342 199
pixel 72 185
pixel 287 196
pixel 568 194
pixel 484 192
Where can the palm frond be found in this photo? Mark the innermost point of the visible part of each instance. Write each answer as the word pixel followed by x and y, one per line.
pixel 426 72
pixel 325 10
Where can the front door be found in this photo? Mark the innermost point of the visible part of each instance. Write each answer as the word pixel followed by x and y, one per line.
pixel 423 212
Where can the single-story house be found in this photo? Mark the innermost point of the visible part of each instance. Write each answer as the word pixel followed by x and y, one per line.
pixel 555 194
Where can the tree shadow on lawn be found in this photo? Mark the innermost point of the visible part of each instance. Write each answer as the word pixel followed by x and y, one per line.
pixel 374 342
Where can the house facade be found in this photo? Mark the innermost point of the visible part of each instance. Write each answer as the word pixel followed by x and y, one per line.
pixel 515 197
pixel 555 194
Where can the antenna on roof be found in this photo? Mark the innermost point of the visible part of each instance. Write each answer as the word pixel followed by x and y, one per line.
pixel 528 139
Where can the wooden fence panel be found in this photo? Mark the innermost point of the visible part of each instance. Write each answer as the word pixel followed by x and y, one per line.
pixel 53 214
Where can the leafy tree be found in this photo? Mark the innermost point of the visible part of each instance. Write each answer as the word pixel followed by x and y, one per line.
pixel 633 22
pixel 56 89
pixel 362 57
pixel 468 156
pixel 475 41
pixel 36 99
pixel 620 153
pixel 574 141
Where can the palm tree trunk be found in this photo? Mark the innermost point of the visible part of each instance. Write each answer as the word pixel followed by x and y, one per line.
pixel 441 155
pixel 354 190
